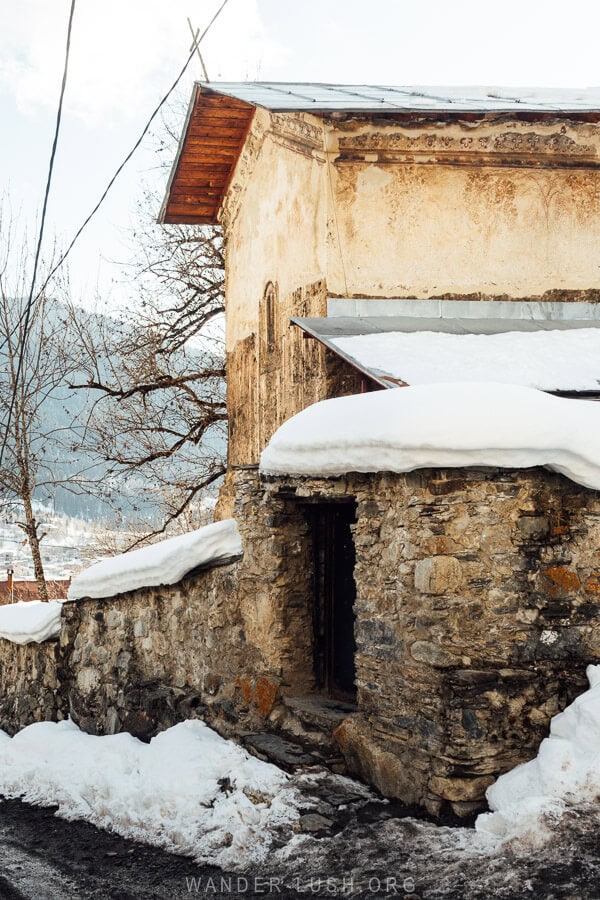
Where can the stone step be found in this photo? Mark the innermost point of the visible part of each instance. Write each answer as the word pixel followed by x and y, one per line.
pixel 319 713
pixel 301 733
pixel 309 721
pixel 278 750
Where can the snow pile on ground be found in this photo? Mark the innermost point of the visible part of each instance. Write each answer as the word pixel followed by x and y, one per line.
pixel 567 360
pixel 528 801
pixel 163 563
pixel 188 790
pixel 33 621
pixel 440 425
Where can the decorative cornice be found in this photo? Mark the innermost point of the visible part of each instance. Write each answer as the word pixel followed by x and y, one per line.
pixel 506 148
pixel 299 129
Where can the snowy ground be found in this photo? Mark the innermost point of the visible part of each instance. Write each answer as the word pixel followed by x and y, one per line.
pixel 316 833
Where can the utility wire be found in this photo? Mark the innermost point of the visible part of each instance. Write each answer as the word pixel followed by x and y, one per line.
pixel 133 149
pixel 85 223
pixel 30 300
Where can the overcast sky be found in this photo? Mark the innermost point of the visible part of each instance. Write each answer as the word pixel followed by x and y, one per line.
pixel 126 53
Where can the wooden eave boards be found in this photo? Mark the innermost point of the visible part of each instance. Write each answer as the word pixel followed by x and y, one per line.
pixel 211 143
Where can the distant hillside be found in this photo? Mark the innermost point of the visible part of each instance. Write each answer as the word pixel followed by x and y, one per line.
pixel 126 500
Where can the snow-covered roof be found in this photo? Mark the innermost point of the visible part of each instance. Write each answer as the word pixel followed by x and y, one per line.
pixel 548 360
pixel 438 426
pixel 369 98
pixel 165 562
pixel 553 346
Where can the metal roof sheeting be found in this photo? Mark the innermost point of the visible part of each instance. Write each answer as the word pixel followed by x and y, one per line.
pixel 371 98
pixel 396 350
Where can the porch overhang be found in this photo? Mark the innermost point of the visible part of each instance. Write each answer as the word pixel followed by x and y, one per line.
pixel 473 340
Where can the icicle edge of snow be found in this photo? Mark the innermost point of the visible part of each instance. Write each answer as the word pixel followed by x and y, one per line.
pixel 163 563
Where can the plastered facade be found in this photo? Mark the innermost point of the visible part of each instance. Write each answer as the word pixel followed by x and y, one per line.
pixel 488 208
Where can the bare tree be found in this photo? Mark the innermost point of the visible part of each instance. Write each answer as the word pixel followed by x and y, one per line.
pixel 34 364
pixel 159 373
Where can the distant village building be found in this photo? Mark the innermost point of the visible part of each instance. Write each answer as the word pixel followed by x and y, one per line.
pixel 371 233
pixel 19 591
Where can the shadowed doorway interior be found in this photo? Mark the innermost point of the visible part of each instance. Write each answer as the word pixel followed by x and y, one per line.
pixel 334 594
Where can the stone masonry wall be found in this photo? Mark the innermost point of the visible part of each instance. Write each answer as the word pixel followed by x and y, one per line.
pixel 222 644
pixel 477 599
pixel 478 593
pixel 29 684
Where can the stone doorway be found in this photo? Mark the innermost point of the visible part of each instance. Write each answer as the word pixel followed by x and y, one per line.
pixel 334 593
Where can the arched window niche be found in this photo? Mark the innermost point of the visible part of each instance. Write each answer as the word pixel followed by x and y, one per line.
pixel 269 301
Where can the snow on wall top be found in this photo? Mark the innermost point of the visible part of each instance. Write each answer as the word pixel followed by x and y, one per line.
pixel 166 562
pixel 548 360
pixel 31 621
pixel 448 425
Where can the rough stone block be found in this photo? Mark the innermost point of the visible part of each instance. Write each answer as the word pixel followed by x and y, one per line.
pixel 426 652
pixel 559 581
pixel 140 629
pixel 460 789
pixel 438 575
pixel 533 528
pixel 259 693
pixel 365 757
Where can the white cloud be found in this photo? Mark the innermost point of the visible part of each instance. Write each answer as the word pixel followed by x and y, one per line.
pixel 124 55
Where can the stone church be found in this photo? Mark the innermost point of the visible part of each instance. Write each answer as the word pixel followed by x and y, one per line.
pixel 433 620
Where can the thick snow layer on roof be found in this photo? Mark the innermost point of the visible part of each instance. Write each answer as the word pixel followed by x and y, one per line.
pixel 163 563
pixel 188 790
pixel 528 800
pixel 33 621
pixel 549 360
pixel 425 426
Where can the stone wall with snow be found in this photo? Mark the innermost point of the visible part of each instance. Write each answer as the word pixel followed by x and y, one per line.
pixel 210 645
pixel 29 684
pixel 478 592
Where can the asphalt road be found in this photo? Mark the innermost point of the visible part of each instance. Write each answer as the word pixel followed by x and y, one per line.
pixel 46 858
pixel 373 850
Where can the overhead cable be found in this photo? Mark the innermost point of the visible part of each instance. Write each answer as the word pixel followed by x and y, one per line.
pixel 21 346
pixel 145 130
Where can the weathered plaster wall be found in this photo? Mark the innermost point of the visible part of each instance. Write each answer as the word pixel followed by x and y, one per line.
pixel 276 226
pixel 491 208
pixel 488 209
